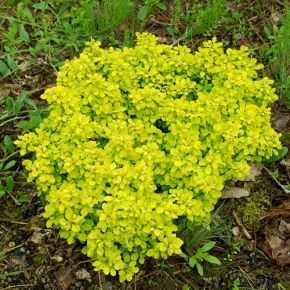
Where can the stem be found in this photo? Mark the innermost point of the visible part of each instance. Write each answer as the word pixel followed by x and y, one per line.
pixel 6 158
pixel 284 187
pixel 9 120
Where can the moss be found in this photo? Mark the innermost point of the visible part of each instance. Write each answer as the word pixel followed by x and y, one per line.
pixel 251 210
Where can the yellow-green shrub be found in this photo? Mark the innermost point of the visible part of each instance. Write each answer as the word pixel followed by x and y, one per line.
pixel 137 137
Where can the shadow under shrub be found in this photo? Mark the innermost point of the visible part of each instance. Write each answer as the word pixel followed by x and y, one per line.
pixel 138 137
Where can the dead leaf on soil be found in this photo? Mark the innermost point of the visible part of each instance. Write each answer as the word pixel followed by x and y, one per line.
pixel 255 171
pixel 276 242
pixel 280 121
pixel 285 162
pixel 234 192
pixel 283 210
pixel 64 278
pixel 4 91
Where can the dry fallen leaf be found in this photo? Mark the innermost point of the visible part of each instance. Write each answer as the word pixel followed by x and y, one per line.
pixel 285 162
pixel 234 192
pixel 64 278
pixel 280 121
pixel 276 239
pixel 255 171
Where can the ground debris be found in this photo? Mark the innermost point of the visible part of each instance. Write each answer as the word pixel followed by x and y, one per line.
pixel 276 233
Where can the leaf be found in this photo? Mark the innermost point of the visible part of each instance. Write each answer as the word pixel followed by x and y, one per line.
pixel 9 183
pixel 24 36
pixel 9 104
pixel 282 152
pixel 11 63
pixel 199 269
pixel 192 261
pixel 28 15
pixel 23 198
pixel 33 123
pixel 4 69
pixel 212 259
pixel 268 33
pixel 255 171
pixel 9 165
pixel 206 247
pixel 19 102
pixel 8 143
pixel 2 193
pixel 31 103
pixel 161 6
pixel 143 12
pixel 40 6
pixel 184 256
pixel 234 192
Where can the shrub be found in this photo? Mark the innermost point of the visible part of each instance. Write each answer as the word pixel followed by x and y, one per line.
pixel 138 137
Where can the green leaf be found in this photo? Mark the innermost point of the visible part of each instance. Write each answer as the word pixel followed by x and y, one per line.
pixel 33 122
pixel 19 102
pixel 282 152
pixel 31 103
pixel 143 12
pixel 2 193
pixel 199 269
pixel 161 6
pixel 11 63
pixel 212 259
pixel 268 33
pixel 23 198
pixel 9 183
pixel 192 261
pixel 40 6
pixel 24 36
pixel 1 165
pixel 4 69
pixel 184 256
pixel 208 246
pixel 9 104
pixel 27 15
pixel 8 143
pixel 9 165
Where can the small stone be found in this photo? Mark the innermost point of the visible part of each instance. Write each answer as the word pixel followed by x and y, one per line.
pixel 36 238
pixel 83 274
pixel 11 244
pixel 43 280
pixel 236 231
pixel 57 259
pixel 107 285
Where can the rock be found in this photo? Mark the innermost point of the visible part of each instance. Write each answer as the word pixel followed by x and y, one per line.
pixel 83 274
pixel 56 259
pixel 36 238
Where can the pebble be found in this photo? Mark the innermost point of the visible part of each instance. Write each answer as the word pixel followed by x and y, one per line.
pixel 36 238
pixel 56 259
pixel 83 274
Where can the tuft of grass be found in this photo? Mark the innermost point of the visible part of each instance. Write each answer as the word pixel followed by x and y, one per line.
pixel 281 57
pixel 200 20
pixel 109 13
pixel 194 235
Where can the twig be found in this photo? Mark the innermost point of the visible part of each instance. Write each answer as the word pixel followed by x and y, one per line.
pixel 20 286
pixel 249 279
pixel 12 222
pixel 9 120
pixel 239 223
pixel 4 159
pixel 100 281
